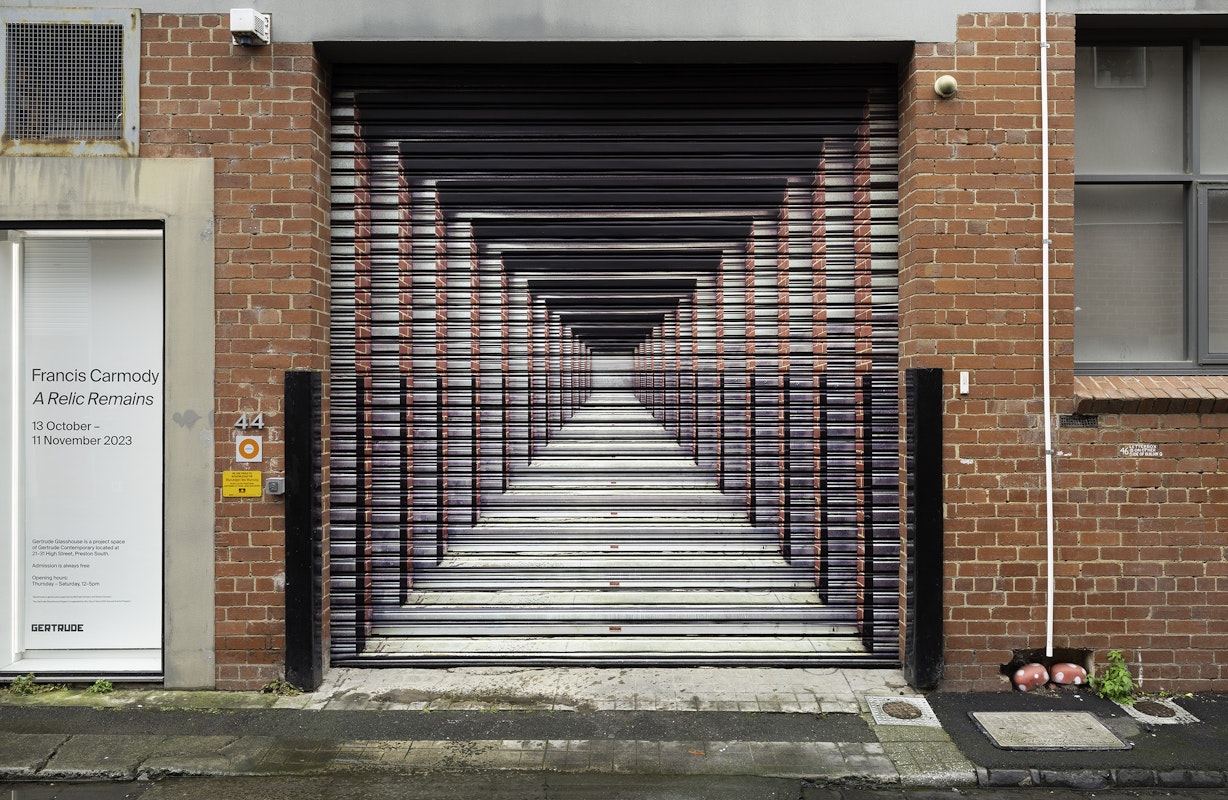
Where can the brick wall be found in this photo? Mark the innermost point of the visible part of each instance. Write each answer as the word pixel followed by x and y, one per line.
pixel 1145 521
pixel 262 115
pixel 1141 502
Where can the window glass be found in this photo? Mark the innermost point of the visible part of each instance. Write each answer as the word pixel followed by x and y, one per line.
pixel 89 340
pixel 1129 110
pixel 1129 284
pixel 1217 268
pixel 1213 116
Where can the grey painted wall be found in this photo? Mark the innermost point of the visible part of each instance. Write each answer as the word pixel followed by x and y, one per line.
pixel 636 20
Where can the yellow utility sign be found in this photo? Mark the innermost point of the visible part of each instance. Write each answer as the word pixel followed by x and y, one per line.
pixel 242 483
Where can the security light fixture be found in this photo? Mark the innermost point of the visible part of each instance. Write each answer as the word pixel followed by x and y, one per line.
pixel 249 27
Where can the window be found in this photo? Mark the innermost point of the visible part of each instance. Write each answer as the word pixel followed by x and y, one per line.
pixel 1151 207
pixel 82 398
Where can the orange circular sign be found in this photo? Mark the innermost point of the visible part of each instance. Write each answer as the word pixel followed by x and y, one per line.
pixel 248 448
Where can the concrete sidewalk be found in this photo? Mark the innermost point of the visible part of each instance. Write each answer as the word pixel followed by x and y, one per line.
pixel 825 726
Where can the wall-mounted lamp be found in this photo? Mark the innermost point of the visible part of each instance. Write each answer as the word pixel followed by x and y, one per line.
pixel 946 86
pixel 249 27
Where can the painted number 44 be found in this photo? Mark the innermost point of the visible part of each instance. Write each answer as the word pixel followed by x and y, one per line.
pixel 249 421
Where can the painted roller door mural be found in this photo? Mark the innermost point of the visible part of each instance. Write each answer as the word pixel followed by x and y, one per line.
pixel 614 366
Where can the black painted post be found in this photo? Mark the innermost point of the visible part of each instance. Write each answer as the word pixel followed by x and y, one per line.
pixel 304 531
pixel 923 658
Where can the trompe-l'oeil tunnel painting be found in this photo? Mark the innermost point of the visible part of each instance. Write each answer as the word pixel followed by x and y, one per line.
pixel 614 366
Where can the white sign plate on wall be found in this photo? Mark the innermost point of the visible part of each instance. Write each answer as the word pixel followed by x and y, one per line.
pixel 248 449
pixel 91 377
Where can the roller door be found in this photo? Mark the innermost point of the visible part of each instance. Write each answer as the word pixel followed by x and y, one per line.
pixel 614 366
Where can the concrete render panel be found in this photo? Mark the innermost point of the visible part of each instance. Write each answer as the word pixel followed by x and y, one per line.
pixel 178 193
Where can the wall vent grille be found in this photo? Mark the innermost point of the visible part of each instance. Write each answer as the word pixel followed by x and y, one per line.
pixel 1078 421
pixel 64 81
pixel 70 82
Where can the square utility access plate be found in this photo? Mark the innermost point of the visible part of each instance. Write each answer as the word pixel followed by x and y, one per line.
pixel 1047 730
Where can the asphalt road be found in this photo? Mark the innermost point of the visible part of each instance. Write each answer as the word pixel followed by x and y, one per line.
pixel 536 786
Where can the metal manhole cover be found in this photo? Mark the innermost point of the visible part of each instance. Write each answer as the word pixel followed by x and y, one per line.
pixel 1047 730
pixel 902 711
pixel 1159 711
pixel 1153 709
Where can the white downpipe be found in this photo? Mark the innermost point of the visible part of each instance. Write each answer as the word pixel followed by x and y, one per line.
pixel 1045 244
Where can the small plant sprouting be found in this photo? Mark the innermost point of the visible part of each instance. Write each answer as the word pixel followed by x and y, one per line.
pixel 1116 685
pixel 23 685
pixel 101 686
pixel 281 687
pixel 27 685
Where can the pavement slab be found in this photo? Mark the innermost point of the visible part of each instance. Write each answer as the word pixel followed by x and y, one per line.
pixel 746 689
pixel 204 756
pixel 106 756
pixel 813 726
pixel 23 755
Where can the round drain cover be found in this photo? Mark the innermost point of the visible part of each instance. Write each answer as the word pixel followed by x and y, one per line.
pixel 901 710
pixel 1153 709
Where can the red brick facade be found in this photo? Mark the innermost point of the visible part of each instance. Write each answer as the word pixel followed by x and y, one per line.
pixel 262 115
pixel 1141 501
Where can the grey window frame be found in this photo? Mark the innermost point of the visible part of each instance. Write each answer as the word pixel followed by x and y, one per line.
pixel 1195 185
pixel 1204 269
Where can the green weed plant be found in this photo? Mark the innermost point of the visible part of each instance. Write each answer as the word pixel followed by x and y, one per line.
pixel 23 685
pixel 1116 684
